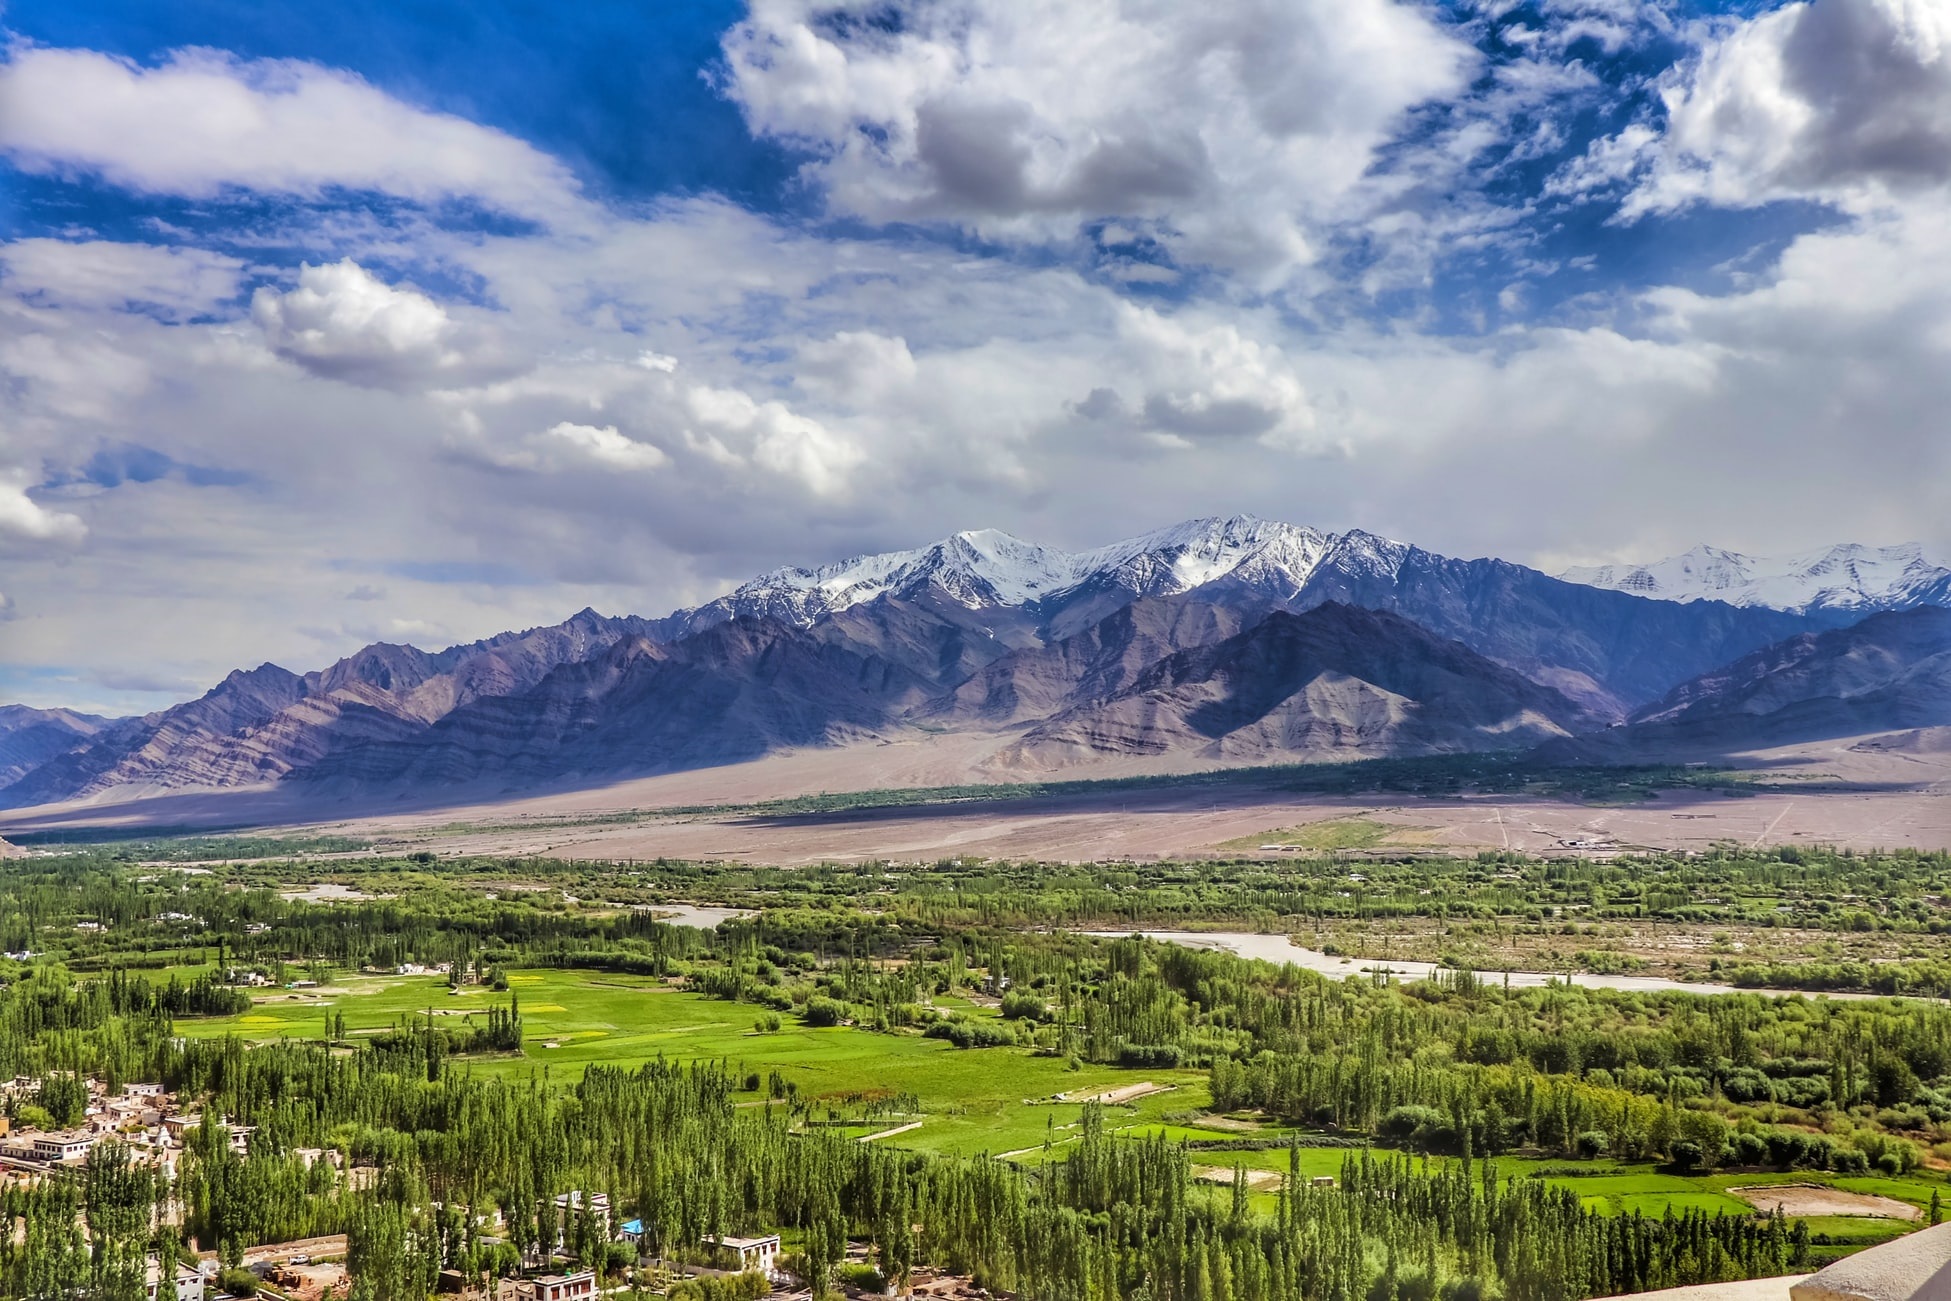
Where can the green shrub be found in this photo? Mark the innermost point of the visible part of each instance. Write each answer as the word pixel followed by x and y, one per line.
pixel 821 1010
pixel 972 1034
pixel 862 1277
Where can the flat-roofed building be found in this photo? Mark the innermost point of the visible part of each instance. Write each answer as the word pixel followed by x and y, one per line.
pixel 578 1286
pixel 761 1253
pixel 55 1148
pixel 171 1283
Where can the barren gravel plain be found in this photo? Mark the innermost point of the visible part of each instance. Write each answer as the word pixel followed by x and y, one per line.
pixel 1855 792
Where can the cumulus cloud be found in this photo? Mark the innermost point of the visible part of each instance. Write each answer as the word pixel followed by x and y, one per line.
pixel 1228 131
pixel 604 446
pixel 780 439
pixel 1842 99
pixel 343 322
pixel 1208 381
pixel 24 518
pixel 205 121
pixel 566 445
pixel 178 282
pixel 725 434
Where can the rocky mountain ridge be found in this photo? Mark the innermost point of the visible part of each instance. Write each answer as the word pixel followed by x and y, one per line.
pixel 1060 655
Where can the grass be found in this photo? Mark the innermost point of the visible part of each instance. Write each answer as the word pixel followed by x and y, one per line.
pixel 161 844
pixel 1332 834
pixel 981 1100
pixel 973 1101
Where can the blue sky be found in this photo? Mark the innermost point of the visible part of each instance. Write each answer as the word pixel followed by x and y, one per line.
pixel 658 123
pixel 325 324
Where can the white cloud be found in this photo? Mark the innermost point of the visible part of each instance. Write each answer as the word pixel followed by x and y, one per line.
pixel 104 274
pixel 1229 132
pixel 1846 100
pixel 66 370
pixel 781 440
pixel 24 518
pixel 1607 162
pixel 343 322
pixel 604 446
pixel 856 366
pixel 205 121
pixel 1205 381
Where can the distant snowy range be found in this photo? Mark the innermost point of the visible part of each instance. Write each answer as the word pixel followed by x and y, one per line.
pixel 1216 642
pixel 1847 577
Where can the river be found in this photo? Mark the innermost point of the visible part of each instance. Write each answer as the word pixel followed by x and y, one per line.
pixel 690 914
pixel 1281 949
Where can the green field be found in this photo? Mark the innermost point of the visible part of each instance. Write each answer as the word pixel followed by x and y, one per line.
pixel 973 1101
pixel 1332 834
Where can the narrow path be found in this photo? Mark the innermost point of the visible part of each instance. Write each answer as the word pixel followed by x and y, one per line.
pixel 889 1133
pixel 1769 830
pixel 1025 1151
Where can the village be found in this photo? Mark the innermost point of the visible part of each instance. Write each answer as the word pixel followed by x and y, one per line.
pixel 148 1122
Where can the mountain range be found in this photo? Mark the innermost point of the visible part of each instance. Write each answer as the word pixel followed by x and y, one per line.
pixel 1217 640
pixel 1849 578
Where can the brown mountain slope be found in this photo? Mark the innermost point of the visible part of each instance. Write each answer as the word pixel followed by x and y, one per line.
pixel 30 737
pixel 1889 671
pixel 736 691
pixel 1889 674
pixel 263 724
pixel 1334 682
pixel 1038 681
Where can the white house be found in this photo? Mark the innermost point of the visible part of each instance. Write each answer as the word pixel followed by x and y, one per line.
pixel 569 1208
pixel 761 1254
pixel 185 1285
pixel 571 1203
pixel 53 1148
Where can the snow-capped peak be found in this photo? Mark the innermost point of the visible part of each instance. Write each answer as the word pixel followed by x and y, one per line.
pixel 983 568
pixel 979 566
pixel 1849 576
pixel 1184 556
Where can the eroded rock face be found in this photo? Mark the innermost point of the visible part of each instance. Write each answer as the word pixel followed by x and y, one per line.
pixel 1916 1267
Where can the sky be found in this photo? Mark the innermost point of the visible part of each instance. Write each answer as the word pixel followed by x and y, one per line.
pixel 327 324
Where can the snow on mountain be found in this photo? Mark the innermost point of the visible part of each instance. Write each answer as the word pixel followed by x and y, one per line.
pixel 987 568
pixel 1846 577
pixel 979 568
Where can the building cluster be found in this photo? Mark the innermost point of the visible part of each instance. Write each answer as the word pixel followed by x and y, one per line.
pixel 142 1117
pixel 724 1253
